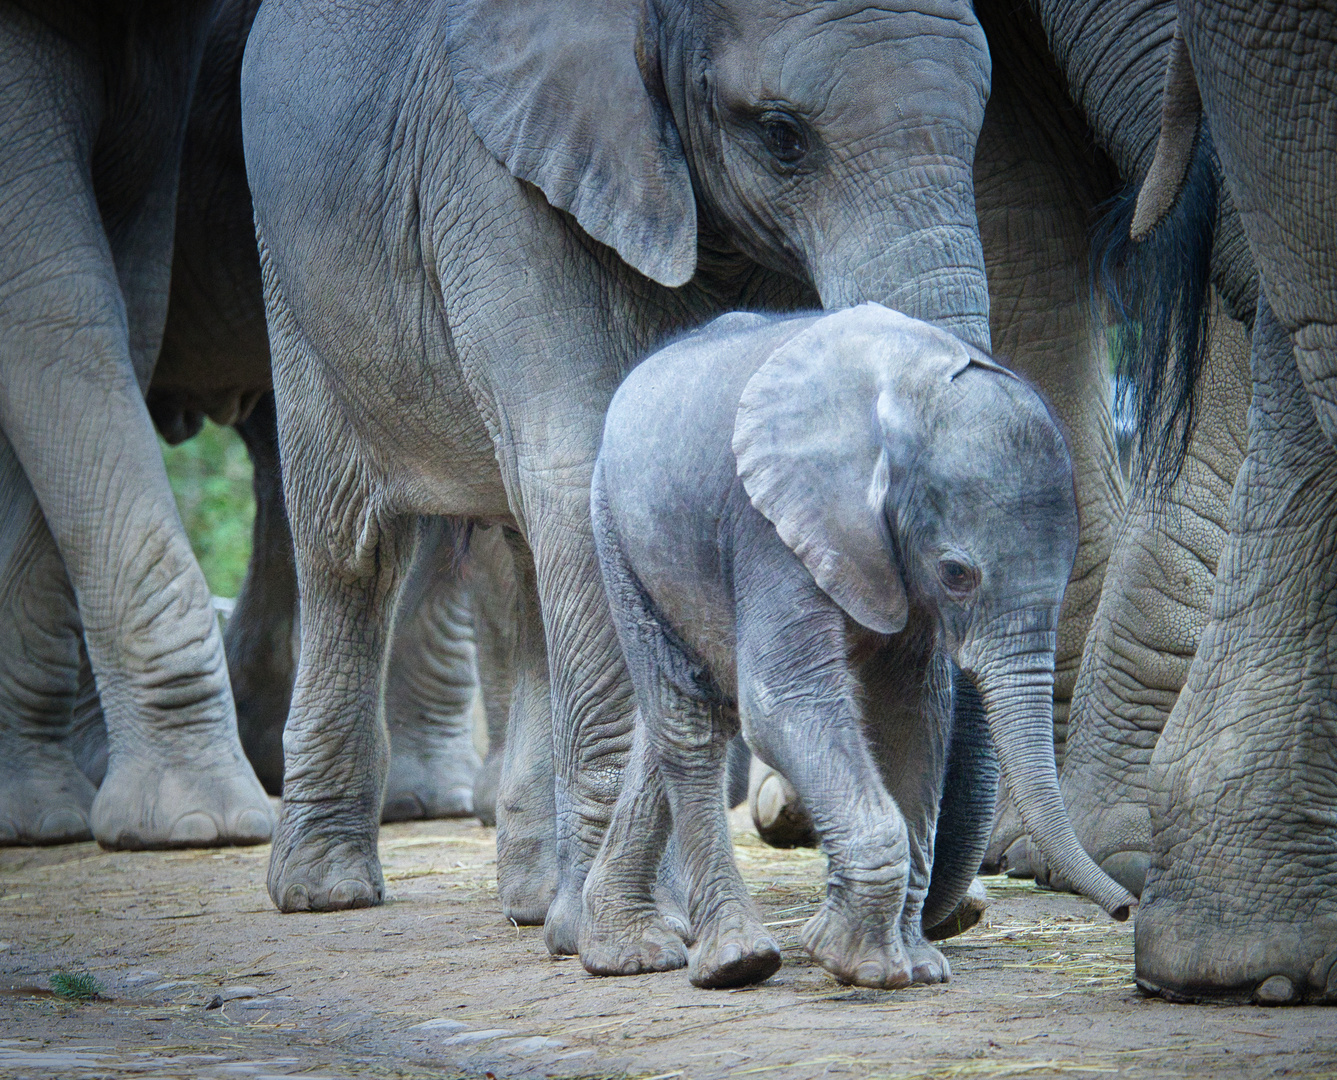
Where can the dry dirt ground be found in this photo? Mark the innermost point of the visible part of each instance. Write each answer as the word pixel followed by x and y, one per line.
pixel 437 984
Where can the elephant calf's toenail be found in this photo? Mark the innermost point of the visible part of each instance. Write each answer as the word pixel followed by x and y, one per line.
pixel 1278 990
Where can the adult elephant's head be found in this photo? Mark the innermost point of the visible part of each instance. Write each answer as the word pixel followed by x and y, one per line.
pixel 829 139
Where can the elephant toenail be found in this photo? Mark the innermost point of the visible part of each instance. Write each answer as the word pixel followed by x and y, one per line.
pixel 1278 990
pixel 63 822
pixel 351 893
pixel 296 898
pixel 770 801
pixel 195 829
pixel 253 827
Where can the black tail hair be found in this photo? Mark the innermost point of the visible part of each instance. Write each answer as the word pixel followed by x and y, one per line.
pixel 1156 295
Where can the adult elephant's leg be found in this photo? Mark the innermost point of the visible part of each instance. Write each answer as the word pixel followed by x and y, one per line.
pixel 87 739
pixel 1154 605
pixel 1241 894
pixel 85 263
pixel 526 815
pixel 492 593
pixel 261 637
pixel 1036 187
pixel 44 797
pixel 350 557
pixel 592 700
pixel 430 686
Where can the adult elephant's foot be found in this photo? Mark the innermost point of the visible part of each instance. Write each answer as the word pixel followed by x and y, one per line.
pixel 146 803
pixel 44 798
pixel 561 928
pixel 1241 894
pixel 526 876
pixel 966 914
pixel 636 945
pixel 869 951
pixel 778 813
pixel 485 788
pixel 431 779
pixel 330 869
pixel 735 950
pixel 1278 958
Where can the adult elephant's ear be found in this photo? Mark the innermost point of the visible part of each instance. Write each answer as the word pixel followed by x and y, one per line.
pixel 809 441
pixel 1181 120
pixel 560 93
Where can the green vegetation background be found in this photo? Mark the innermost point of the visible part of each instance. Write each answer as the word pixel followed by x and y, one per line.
pixel 211 478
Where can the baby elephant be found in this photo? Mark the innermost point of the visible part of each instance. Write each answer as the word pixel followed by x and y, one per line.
pixel 802 523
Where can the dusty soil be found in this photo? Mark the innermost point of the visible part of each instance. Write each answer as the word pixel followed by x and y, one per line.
pixel 436 983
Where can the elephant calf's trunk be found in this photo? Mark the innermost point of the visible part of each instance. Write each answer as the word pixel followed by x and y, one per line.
pixel 1018 697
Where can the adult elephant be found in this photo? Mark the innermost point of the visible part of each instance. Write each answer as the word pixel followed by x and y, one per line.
pixel 474 218
pixel 93 112
pixel 1241 894
pixel 215 363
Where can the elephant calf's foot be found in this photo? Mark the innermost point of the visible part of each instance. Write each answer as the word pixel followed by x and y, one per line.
pixel 326 872
pixel 778 813
pixel 870 952
pixel 966 914
pixel 146 804
pixel 44 799
pixel 439 784
pixel 734 951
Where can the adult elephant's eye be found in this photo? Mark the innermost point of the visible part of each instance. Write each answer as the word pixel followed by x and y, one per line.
pixel 784 136
pixel 957 577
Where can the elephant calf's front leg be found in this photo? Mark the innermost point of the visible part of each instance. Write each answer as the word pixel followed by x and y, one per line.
pixel 799 716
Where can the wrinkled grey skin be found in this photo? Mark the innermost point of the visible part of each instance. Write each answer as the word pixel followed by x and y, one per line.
pixel 802 525
pixel 215 362
pixel 452 634
pixel 1241 893
pixel 446 341
pixel 93 114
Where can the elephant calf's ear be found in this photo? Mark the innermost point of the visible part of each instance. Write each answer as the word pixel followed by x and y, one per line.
pixel 808 442
pixel 554 90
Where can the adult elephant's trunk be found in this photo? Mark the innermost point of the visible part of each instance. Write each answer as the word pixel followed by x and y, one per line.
pixel 1012 664
pixel 916 252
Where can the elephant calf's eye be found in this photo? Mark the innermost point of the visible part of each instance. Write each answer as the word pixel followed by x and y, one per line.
pixel 784 136
pixel 957 577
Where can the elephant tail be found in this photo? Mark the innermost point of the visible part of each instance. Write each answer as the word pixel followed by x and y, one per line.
pixel 1154 295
